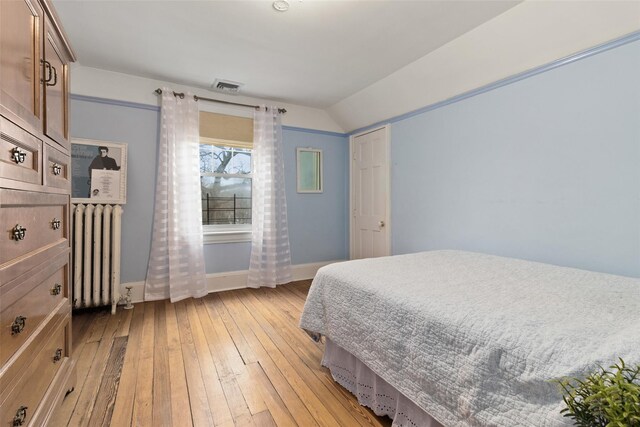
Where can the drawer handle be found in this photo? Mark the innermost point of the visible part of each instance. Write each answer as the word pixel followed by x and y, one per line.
pixel 18 156
pixel 21 416
pixel 56 289
pixel 19 232
pixel 47 68
pixel 55 77
pixel 57 169
pixel 18 325
pixel 58 356
pixel 55 224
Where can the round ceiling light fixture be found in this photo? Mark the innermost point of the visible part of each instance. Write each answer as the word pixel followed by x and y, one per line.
pixel 281 5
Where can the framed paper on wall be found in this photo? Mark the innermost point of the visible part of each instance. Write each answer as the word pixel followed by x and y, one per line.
pixel 98 171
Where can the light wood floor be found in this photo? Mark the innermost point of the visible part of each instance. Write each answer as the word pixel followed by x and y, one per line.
pixel 231 358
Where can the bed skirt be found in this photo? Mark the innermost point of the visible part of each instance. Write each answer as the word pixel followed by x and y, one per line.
pixel 371 390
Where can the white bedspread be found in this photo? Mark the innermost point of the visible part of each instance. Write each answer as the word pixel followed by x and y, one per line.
pixel 474 339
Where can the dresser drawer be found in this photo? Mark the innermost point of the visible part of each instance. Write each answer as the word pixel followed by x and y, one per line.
pixel 30 222
pixel 57 172
pixel 20 154
pixel 25 305
pixel 23 399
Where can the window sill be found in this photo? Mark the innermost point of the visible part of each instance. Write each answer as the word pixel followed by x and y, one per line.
pixel 231 236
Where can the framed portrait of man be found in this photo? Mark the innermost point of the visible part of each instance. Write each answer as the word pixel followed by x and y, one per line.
pixel 98 171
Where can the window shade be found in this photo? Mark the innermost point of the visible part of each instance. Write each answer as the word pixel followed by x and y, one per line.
pixel 230 131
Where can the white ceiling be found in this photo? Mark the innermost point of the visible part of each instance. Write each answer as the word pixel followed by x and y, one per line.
pixel 315 54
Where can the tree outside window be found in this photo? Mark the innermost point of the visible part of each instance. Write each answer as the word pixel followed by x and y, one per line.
pixel 225 180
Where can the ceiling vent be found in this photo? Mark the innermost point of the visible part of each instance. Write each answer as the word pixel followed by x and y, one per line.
pixel 226 86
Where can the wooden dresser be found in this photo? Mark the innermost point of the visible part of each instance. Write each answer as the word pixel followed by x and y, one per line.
pixel 36 368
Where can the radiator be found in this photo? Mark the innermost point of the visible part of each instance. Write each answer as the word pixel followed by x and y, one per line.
pixel 96 235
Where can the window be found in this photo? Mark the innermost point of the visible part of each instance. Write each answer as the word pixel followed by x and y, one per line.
pixel 225 177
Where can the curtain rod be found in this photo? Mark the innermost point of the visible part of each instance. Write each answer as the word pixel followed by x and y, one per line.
pixel 198 98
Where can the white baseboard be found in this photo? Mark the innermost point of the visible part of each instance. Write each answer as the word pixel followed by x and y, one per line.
pixel 229 280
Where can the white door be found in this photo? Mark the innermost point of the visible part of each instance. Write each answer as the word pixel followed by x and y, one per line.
pixel 370 234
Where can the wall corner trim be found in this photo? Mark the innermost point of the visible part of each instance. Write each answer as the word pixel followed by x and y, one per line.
pixel 107 101
pixel 230 280
pixel 612 44
pixel 316 131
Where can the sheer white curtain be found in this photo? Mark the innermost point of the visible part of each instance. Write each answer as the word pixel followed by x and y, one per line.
pixel 270 255
pixel 176 265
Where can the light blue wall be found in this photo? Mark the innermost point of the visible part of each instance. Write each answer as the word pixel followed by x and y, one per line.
pixel 318 223
pixel 547 169
pixel 318 227
pixel 139 128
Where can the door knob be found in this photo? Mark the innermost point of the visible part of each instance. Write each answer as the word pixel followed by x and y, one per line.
pixel 381 224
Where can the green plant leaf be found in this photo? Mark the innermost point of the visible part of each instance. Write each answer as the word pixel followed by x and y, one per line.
pixel 608 397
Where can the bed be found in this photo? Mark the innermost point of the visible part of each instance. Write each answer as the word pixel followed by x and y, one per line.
pixel 466 339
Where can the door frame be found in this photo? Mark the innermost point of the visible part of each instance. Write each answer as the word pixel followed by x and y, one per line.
pixel 352 193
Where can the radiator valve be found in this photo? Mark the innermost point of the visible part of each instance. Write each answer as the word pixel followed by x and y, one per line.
pixel 127 298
